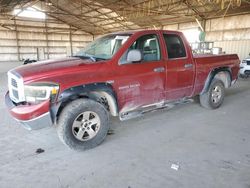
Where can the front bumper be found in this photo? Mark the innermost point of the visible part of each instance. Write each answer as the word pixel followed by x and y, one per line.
pixel 31 116
pixel 245 69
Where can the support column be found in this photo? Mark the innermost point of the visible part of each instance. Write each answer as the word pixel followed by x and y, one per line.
pixel 202 26
pixel 70 41
pixel 17 42
pixel 47 38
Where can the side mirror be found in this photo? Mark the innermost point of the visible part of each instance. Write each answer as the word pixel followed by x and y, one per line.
pixel 134 56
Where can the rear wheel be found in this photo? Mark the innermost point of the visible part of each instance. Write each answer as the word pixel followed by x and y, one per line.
pixel 214 97
pixel 83 124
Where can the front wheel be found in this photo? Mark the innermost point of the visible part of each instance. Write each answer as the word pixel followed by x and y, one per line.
pixel 83 124
pixel 214 97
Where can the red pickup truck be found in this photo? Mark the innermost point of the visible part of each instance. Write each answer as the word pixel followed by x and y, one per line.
pixel 122 74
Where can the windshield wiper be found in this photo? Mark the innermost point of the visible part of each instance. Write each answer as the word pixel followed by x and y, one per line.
pixel 100 58
pixel 86 56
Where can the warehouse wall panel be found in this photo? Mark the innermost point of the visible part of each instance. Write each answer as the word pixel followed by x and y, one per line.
pixel 27 39
pixel 240 47
pixel 39 40
pixel 6 34
pixel 230 33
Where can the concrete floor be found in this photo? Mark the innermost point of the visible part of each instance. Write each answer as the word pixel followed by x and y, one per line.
pixel 211 147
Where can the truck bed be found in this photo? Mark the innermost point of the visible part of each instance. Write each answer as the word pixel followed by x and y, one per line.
pixel 208 62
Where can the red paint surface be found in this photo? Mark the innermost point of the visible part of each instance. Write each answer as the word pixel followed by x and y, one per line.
pixel 28 112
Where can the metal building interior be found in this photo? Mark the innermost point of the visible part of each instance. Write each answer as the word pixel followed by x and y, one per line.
pixel 72 24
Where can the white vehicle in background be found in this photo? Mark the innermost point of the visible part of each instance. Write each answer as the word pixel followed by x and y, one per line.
pixel 245 68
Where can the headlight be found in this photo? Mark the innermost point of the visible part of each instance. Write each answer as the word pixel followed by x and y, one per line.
pixel 38 92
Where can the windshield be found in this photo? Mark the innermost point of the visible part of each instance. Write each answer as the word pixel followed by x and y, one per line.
pixel 103 48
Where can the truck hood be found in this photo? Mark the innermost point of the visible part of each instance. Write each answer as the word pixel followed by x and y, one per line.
pixel 54 67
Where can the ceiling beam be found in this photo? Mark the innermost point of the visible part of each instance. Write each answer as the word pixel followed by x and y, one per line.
pixel 55 17
pixel 21 9
pixel 79 18
pixel 191 7
pixel 112 18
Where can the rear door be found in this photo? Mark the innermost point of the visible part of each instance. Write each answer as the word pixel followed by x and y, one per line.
pixel 141 83
pixel 180 70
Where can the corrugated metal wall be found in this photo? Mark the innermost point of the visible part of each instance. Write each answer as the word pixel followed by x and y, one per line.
pixel 241 47
pixel 230 33
pixel 39 40
pixel 50 39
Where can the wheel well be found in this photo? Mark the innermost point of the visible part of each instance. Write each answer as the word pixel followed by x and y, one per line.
pixel 225 77
pixel 223 74
pixel 102 93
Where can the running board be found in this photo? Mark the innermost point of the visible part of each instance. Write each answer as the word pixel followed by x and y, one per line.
pixel 138 113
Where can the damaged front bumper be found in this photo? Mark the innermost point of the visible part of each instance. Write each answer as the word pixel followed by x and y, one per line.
pixel 30 116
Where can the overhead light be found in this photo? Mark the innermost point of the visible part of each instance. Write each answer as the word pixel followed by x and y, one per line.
pixel 48 3
pixel 29 13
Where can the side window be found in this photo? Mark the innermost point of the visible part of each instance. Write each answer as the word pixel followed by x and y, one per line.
pixel 148 46
pixel 175 46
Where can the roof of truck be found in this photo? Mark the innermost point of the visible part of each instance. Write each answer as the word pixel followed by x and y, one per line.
pixel 130 32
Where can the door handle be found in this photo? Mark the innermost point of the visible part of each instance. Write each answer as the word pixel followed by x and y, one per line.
pixel 159 69
pixel 188 65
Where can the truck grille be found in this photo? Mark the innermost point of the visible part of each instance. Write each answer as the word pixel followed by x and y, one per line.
pixel 15 94
pixel 247 72
pixel 16 88
pixel 13 82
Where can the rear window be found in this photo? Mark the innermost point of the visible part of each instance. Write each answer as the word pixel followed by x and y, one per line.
pixel 175 46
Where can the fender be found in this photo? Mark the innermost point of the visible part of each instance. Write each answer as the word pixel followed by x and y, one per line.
pixel 101 92
pixel 224 74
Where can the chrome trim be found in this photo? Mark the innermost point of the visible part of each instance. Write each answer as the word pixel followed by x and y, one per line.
pixel 86 126
pixel 19 87
pixel 110 81
pixel 37 123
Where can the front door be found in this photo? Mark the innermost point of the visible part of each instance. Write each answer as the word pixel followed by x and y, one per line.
pixel 141 83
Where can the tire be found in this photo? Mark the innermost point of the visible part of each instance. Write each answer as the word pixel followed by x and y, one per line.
pixel 243 76
pixel 83 124
pixel 215 95
pixel 196 99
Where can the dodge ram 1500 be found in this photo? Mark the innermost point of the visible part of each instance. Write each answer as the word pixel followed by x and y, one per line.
pixel 121 74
